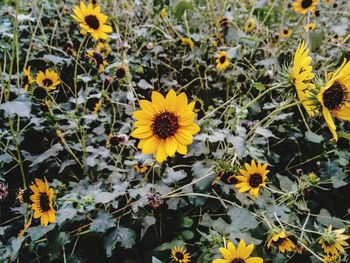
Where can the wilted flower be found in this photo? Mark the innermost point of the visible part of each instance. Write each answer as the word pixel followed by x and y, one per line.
pixel 155 200
pixel 3 191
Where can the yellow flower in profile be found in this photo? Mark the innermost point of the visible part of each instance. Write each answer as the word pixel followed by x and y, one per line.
pixel 310 27
pixel 180 255
pixel 280 239
pixel 222 61
pixel 286 33
pixel 304 6
pixel 333 241
pixel 27 78
pixel 103 48
pixel 335 97
pixel 48 79
pixel 165 125
pixel 301 77
pixel 252 178
pixel 186 41
pixel 164 13
pixel 42 202
pixel 331 258
pixel 241 254
pixel 98 59
pixel 92 21
pixel 250 24
pixel 97 107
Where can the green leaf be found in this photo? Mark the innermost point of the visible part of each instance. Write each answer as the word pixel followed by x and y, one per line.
pixel 187 234
pixel 313 137
pixel 186 222
pixel 181 7
pixel 259 86
pixel 126 237
pixel 102 223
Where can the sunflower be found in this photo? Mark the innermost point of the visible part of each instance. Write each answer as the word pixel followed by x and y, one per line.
pixel 333 241
pixel 310 27
pixel 141 168
pixel 92 21
pixel 121 71
pixel 97 107
pixel 250 24
pixel 186 41
pixel 331 258
pixel 164 13
pixel 241 254
pixel 103 48
pixel 301 77
pixel 27 78
pixel 48 79
pixel 252 178
pixel 286 33
pixel 222 61
pixel 165 125
pixel 334 97
pixel 280 239
pixel 303 6
pixel 180 255
pixel 42 202
pixel 98 60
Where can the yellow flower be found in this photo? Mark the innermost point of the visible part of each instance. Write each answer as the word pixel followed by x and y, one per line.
pixel 98 60
pixel 281 240
pixel 187 42
pixel 335 97
pixel 97 107
pixel 27 78
pixel 303 6
pixel 252 178
pixel 165 125
pixel 286 33
pixel 250 24
pixel 302 75
pixel 42 202
pixel 141 168
pixel 92 21
pixel 48 79
pixel 164 13
pixel 331 258
pixel 333 241
pixel 180 255
pixel 222 61
pixel 241 254
pixel 103 48
pixel 310 27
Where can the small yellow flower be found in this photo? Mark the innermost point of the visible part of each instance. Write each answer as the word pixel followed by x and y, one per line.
pixel 304 6
pixel 222 61
pixel 331 258
pixel 286 33
pixel 280 239
pixel 141 168
pixel 27 78
pixel 250 24
pixel 92 21
pixel 333 241
pixel 252 178
pixel 239 254
pixel 180 255
pixel 103 48
pixel 97 107
pixel 187 42
pixel 164 13
pixel 310 27
pixel 48 79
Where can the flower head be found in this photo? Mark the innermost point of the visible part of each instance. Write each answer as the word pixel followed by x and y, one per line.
pixel 27 78
pixel 250 24
pixel 165 125
pixel 334 97
pixel 310 27
pixel 98 59
pixel 3 191
pixel 48 79
pixel 42 202
pixel 333 241
pixel 180 255
pixel 92 21
pixel 186 41
pixel 280 239
pixel 222 61
pixel 252 178
pixel 239 254
pixel 286 33
pixel 304 6
pixel 103 48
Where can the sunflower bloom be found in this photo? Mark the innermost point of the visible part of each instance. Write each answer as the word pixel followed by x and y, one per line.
pixel 286 33
pixel 250 25
pixel 27 78
pixel 310 27
pixel 333 241
pixel 301 77
pixel 186 41
pixel 42 202
pixel 103 48
pixel 48 79
pixel 241 254
pixel 335 97
pixel 280 239
pixel 304 6
pixel 222 61
pixel 92 21
pixel 180 255
pixel 252 178
pixel 98 59
pixel 165 125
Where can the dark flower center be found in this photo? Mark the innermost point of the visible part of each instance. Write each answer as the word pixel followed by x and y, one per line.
pixel 120 73
pixel 306 3
pixel 25 80
pixel 255 180
pixel 335 96
pixel 237 260
pixel 222 59
pixel 44 202
pixel 280 242
pixel 92 21
pixel 165 124
pixel 47 82
pixel 285 31
pixel 114 141
pixel 228 177
pixel 40 93
pixel 98 58
pixel 179 255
